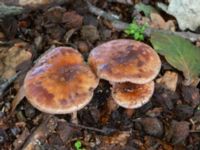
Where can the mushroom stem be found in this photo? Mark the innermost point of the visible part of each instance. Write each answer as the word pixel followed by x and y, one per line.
pixel 129 112
pixel 74 118
pixel 111 105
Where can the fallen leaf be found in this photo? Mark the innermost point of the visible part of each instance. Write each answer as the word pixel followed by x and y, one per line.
pixel 183 111
pixel 169 80
pixel 180 53
pixel 191 95
pixel 164 97
pixel 72 19
pixel 158 22
pixel 14 57
pixel 180 131
pixel 120 138
pixel 90 33
pixel 152 126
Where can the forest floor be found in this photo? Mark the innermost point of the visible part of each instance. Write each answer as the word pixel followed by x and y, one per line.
pixel 170 120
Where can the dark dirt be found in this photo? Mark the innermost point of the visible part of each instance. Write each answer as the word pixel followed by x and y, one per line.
pixel 171 120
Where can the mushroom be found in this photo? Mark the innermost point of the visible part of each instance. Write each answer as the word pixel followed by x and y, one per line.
pixel 125 60
pixel 131 95
pixel 60 82
pixel 130 66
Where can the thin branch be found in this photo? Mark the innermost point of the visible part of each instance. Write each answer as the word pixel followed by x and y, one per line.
pixel 7 83
pixel 103 131
pixel 9 10
pixel 126 2
pixel 101 13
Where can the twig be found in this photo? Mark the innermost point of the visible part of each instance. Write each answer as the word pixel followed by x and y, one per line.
pixel 101 13
pixel 103 131
pixel 120 25
pixel 6 43
pixel 9 10
pixel 7 83
pixel 32 4
pixel 127 2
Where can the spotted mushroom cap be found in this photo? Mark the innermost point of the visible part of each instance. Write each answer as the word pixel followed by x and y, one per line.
pixel 60 82
pixel 125 60
pixel 129 95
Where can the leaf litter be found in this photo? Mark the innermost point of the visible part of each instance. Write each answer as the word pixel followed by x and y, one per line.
pixel 170 120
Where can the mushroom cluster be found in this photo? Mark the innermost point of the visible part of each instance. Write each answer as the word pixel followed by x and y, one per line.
pixel 60 82
pixel 130 66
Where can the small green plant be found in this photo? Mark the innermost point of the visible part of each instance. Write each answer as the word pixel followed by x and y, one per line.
pixel 78 145
pixel 136 31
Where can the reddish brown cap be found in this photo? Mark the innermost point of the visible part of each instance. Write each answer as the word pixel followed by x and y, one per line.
pixel 129 95
pixel 60 82
pixel 125 60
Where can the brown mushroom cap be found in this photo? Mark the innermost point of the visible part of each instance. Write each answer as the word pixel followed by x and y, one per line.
pixel 60 82
pixel 125 60
pixel 129 95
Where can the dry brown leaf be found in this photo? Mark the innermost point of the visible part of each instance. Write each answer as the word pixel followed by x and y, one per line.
pixel 120 138
pixel 12 58
pixel 169 80
pixel 158 22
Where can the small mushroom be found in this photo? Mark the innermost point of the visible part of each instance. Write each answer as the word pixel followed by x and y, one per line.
pixel 130 66
pixel 130 96
pixel 60 82
pixel 125 60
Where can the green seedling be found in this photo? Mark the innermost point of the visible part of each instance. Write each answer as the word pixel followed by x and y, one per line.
pixel 78 145
pixel 136 31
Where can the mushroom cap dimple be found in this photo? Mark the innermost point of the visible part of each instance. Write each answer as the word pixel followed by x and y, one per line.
pixel 129 95
pixel 60 82
pixel 125 60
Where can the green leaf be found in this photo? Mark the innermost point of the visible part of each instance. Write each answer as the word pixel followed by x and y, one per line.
pixel 180 53
pixel 136 31
pixel 146 9
pixel 78 145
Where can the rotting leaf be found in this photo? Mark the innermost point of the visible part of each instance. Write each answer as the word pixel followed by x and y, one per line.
pixel 180 53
